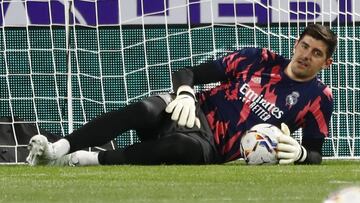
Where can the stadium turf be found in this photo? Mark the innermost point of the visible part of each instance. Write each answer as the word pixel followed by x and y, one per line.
pixel 233 182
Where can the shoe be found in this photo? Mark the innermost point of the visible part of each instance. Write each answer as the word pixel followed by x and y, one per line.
pixel 84 158
pixel 41 152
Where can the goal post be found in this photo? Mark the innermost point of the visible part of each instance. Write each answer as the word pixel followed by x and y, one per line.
pixel 123 51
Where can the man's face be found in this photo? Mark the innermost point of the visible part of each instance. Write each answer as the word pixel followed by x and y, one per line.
pixel 308 60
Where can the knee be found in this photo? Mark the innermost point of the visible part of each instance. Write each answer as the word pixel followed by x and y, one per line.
pixel 149 109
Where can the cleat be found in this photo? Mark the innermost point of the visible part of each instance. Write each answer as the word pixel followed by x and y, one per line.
pixel 41 152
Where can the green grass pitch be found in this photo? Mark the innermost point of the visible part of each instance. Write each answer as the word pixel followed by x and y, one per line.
pixel 233 182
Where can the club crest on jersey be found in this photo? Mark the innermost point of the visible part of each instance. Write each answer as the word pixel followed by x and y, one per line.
pixel 292 99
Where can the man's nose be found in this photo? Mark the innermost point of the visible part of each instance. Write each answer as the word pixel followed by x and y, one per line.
pixel 307 54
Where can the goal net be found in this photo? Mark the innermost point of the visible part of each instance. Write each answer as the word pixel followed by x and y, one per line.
pixel 122 51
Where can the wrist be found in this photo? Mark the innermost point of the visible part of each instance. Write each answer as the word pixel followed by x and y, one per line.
pixel 302 155
pixel 186 90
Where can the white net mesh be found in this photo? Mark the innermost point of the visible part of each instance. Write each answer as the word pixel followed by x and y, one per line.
pixel 122 51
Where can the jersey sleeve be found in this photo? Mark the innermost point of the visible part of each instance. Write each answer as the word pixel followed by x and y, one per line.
pixel 201 74
pixel 219 70
pixel 316 125
pixel 223 69
pixel 238 62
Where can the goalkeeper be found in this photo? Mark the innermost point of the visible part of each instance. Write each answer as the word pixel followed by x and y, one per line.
pixel 256 86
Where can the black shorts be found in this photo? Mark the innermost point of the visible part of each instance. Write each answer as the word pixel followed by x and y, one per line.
pixel 203 134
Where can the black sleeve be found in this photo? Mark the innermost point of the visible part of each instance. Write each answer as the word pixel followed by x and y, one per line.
pixel 313 148
pixel 201 74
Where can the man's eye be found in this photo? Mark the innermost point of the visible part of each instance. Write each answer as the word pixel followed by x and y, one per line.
pixel 318 53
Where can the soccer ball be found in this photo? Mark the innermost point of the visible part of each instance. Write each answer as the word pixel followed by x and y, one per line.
pixel 258 145
pixel 345 195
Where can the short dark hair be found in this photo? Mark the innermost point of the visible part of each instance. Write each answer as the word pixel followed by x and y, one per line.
pixel 321 32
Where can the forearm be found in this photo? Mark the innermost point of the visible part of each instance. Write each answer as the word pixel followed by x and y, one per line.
pixel 202 74
pixel 312 157
pixel 182 77
pixel 313 148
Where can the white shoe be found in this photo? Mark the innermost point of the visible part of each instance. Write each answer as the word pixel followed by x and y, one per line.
pixel 84 158
pixel 41 152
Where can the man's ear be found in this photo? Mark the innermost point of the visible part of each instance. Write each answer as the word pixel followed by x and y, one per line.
pixel 295 44
pixel 328 62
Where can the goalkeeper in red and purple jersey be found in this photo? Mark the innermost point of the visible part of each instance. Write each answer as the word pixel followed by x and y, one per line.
pixel 256 86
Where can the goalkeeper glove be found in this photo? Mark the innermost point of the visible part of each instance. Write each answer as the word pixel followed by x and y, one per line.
pixel 183 107
pixel 289 150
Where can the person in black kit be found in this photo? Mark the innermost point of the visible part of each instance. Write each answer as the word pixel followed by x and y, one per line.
pixel 256 86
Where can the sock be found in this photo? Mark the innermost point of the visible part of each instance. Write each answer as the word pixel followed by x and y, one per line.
pixel 61 147
pixel 84 158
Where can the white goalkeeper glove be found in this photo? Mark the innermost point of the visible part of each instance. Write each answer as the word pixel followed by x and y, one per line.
pixel 183 107
pixel 289 150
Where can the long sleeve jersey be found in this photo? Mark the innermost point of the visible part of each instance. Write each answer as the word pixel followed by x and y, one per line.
pixel 254 89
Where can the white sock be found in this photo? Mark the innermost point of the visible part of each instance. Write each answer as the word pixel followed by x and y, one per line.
pixel 61 147
pixel 84 158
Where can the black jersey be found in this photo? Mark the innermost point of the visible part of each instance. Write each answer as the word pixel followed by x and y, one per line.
pixel 258 91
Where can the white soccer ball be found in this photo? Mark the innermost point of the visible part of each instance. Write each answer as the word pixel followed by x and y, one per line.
pixel 345 195
pixel 258 145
